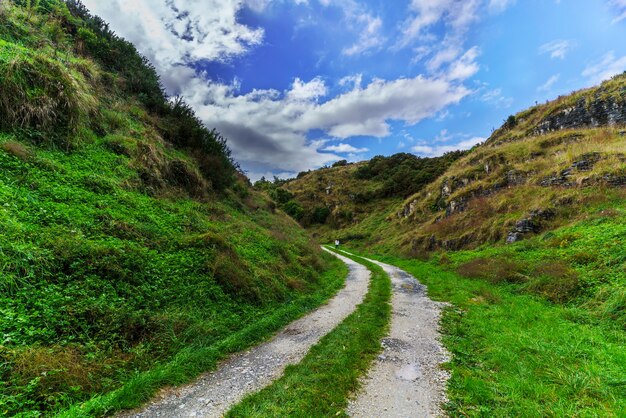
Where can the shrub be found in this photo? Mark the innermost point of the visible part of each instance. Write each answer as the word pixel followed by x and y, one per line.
pixel 341 163
pixel 555 281
pixel 39 94
pixel 494 270
pixel 293 209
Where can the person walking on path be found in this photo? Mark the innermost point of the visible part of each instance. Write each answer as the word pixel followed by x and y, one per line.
pixel 336 243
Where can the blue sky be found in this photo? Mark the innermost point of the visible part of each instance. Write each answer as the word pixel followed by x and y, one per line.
pixel 296 84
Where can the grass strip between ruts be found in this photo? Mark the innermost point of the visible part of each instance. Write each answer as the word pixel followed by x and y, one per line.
pixel 192 361
pixel 320 384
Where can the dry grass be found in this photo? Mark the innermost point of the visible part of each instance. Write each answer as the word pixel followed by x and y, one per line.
pixel 555 281
pixel 493 270
pixel 16 149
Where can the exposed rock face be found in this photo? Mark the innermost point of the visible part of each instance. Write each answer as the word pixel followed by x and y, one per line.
pixel 531 224
pixel 601 112
pixel 585 163
pixel 515 178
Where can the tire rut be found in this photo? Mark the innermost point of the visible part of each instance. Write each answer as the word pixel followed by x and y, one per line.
pixel 406 380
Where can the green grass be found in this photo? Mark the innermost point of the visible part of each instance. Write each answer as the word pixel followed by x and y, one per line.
pixel 127 238
pixel 515 354
pixel 321 383
pixel 198 358
pixel 100 281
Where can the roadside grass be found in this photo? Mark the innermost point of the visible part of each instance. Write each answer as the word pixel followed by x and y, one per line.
pixel 516 354
pixel 199 358
pixel 322 382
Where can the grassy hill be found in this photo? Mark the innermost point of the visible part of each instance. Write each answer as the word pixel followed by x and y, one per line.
pixel 348 201
pixel 128 234
pixel 540 204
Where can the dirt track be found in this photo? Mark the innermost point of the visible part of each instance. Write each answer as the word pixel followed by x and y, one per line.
pixel 406 379
pixel 244 373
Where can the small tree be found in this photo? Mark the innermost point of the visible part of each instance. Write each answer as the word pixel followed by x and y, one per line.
pixel 510 122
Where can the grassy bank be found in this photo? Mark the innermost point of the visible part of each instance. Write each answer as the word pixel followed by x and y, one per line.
pixel 518 354
pixel 130 244
pixel 199 358
pixel 321 383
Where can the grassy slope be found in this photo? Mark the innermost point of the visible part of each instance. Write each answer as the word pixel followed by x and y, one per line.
pixel 361 198
pixel 120 260
pixel 320 384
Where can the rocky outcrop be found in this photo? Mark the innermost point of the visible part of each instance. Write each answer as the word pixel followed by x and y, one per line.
pixel 585 163
pixel 600 112
pixel 530 225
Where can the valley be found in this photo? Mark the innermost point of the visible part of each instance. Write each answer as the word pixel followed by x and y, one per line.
pixel 142 272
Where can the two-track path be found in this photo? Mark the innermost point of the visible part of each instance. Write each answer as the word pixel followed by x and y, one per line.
pixel 213 394
pixel 406 380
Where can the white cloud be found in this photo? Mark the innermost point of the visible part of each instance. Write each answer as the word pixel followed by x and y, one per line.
pixel 345 148
pixel 605 68
pixel 269 128
pixel 619 8
pixel 549 83
pixel 366 111
pixel 498 6
pixel 352 80
pixel 457 15
pixel 370 37
pixel 445 53
pixel 464 67
pixel 437 150
pixel 557 48
pixel 312 90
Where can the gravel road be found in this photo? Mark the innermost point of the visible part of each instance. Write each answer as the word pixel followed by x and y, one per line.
pixel 244 373
pixel 406 380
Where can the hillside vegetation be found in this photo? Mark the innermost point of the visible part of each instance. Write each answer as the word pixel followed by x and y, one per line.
pixel 344 200
pixel 128 234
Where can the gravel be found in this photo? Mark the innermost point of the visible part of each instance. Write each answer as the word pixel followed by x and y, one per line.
pixel 406 380
pixel 213 394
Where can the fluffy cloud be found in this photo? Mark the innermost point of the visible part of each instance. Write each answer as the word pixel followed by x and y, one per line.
pixel 271 130
pixel 269 127
pixel 437 150
pixel 605 68
pixel 557 48
pixel 345 149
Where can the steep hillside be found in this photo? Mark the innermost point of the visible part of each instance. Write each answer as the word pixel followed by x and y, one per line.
pixel 546 167
pixel 128 234
pixel 350 201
